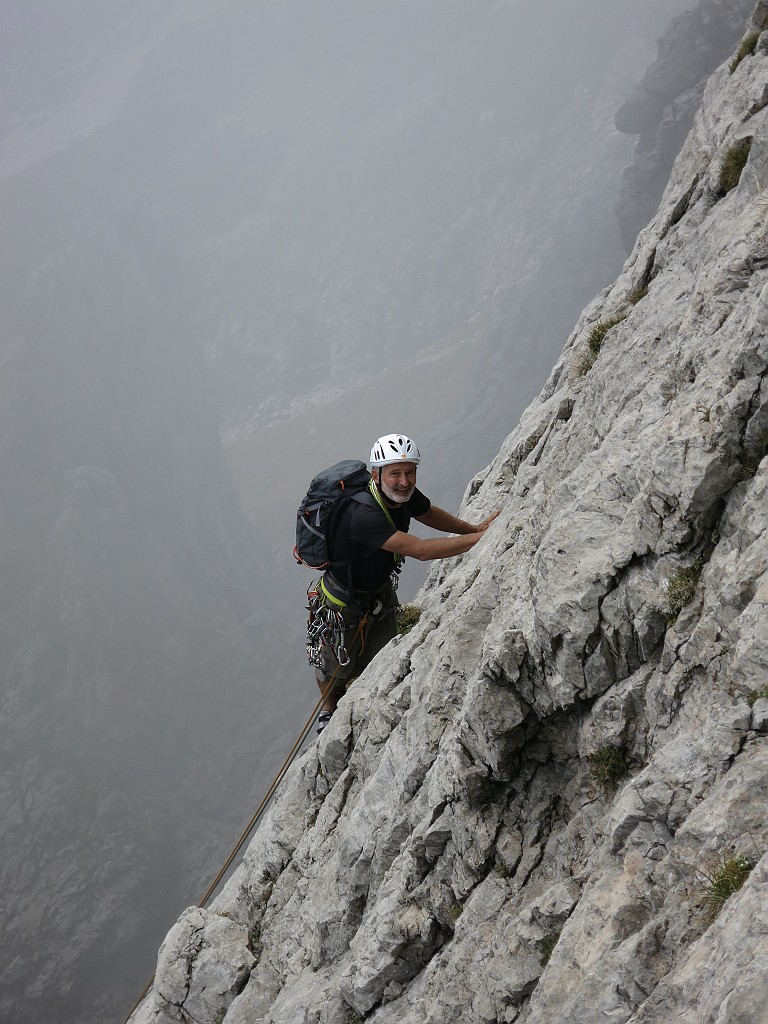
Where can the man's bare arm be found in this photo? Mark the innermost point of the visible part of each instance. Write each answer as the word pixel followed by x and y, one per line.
pixel 401 543
pixel 439 519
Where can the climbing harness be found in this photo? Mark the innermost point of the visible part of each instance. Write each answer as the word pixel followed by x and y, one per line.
pixel 326 627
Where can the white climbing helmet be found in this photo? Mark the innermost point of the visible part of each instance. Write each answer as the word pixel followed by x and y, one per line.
pixel 394 448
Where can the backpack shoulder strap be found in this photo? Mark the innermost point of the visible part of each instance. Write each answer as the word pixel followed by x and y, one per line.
pixel 364 498
pixel 370 496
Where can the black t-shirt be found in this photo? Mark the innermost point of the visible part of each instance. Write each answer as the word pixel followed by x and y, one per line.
pixel 358 535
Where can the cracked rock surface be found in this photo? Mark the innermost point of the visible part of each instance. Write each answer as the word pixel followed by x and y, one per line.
pixel 203 964
pixel 521 809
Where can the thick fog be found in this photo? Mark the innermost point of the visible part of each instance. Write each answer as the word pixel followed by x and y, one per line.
pixel 240 240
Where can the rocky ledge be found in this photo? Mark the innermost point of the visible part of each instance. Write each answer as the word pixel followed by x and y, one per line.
pixel 548 802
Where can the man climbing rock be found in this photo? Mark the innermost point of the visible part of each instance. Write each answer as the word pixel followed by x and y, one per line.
pixel 353 608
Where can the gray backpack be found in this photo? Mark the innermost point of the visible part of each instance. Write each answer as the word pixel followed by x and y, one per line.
pixel 320 508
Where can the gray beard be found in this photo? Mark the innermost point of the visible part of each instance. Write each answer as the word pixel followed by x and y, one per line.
pixel 393 496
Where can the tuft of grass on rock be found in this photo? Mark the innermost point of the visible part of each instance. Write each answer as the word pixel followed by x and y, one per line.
pixel 755 695
pixel 635 296
pixel 597 334
pixel 733 164
pixel 609 766
pixel 747 48
pixel 682 587
pixel 547 948
pixel 726 878
pixel 595 340
pixel 407 617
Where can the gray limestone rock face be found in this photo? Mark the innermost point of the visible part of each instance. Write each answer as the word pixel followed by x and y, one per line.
pixel 548 802
pixel 202 965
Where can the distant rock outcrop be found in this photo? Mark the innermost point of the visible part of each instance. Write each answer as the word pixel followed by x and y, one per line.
pixel 662 108
pixel 539 805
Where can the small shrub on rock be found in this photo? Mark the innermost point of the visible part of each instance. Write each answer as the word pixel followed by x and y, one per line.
pixel 734 162
pixel 609 766
pixel 728 877
pixel 501 868
pixel 755 695
pixel 547 948
pixel 682 587
pixel 407 617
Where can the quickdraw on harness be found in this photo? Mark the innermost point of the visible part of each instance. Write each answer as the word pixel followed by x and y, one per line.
pixel 325 627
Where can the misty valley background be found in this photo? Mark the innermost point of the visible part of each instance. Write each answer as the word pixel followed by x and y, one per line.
pixel 240 241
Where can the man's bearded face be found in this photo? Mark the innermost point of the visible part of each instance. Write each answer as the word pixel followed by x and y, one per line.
pixel 398 481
